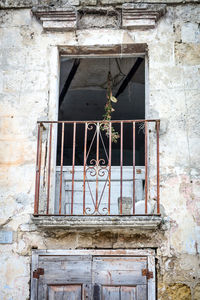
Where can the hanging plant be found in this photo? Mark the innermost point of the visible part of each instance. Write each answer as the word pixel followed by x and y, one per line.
pixel 108 111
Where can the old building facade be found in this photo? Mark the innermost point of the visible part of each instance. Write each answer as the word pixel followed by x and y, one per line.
pixel 67 229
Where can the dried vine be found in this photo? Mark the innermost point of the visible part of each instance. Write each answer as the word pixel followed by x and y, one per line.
pixel 108 111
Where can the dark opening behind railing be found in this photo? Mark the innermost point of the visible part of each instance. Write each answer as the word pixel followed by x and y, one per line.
pixel 81 170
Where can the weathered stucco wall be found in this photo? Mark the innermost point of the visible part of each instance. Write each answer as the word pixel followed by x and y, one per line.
pixel 28 89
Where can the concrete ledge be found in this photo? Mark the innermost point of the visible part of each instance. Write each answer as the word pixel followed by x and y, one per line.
pixel 113 222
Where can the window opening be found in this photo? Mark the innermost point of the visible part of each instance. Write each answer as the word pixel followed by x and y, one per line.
pixel 83 96
pixel 95 175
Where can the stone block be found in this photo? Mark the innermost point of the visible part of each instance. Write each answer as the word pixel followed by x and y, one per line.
pixel 196 295
pixel 190 33
pixel 105 2
pixel 18 3
pixel 89 21
pixel 174 292
pixel 11 37
pixel 73 2
pixel 88 2
pixel 1 82
pixel 6 237
pixel 187 53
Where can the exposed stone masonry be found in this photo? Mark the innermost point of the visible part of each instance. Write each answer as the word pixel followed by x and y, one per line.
pixel 28 92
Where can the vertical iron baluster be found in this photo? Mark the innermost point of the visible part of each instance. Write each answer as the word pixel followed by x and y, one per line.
pixel 109 163
pixel 133 168
pixel 84 170
pixel 146 167
pixel 61 166
pixel 121 166
pixel 73 163
pixel 158 167
pixel 36 205
pixel 97 167
pixel 49 169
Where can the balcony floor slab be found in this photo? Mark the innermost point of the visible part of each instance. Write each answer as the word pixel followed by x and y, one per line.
pixel 97 222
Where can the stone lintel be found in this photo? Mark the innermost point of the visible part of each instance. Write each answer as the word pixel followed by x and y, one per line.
pixel 57 19
pixel 141 16
pixel 98 222
pixel 130 16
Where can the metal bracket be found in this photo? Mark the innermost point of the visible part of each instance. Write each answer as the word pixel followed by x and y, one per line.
pixel 38 272
pixel 145 272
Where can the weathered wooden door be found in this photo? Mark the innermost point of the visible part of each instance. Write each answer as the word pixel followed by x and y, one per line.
pixel 90 277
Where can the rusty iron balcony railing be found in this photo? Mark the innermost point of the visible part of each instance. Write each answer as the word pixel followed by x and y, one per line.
pixel 99 168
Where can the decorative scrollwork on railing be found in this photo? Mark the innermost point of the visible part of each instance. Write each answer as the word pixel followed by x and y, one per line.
pixel 96 167
pixel 92 171
pixel 99 171
pixel 102 171
pixel 91 126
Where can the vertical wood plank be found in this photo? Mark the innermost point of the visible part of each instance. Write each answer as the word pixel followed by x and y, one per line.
pixel 128 293
pixel 96 292
pixel 34 281
pixel 111 293
pixel 151 281
pixel 142 292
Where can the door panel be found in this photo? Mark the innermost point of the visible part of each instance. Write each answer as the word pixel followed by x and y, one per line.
pixel 67 269
pixel 64 292
pixel 119 270
pixel 64 276
pixel 120 293
pixel 111 293
pixel 128 292
pixel 141 292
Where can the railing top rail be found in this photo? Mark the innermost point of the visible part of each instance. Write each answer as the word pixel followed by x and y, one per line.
pixel 100 121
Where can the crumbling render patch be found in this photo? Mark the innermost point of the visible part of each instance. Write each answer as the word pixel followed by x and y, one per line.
pixel 174 292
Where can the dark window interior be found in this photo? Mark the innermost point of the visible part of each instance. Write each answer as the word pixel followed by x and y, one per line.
pixel 83 88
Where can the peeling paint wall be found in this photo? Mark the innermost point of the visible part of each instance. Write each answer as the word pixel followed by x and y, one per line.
pixel 28 77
